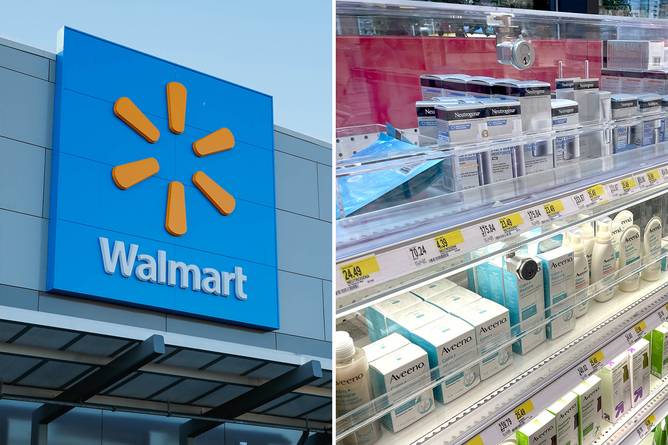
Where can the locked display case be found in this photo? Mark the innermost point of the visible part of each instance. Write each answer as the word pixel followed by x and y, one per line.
pixel 501 202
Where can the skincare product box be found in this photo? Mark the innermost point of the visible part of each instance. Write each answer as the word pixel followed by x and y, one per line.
pixel 461 170
pixel 611 80
pixel 377 314
pixel 635 54
pixel 450 344
pixel 455 297
pixel 565 411
pixel 408 320
pixel 659 345
pixel 585 93
pixel 662 122
pixel 647 132
pixel 640 370
pixel 434 85
pixel 479 86
pixel 492 326
pixel 454 85
pixel 517 284
pixel 654 81
pixel 534 98
pixel 461 123
pixel 616 387
pixel 565 117
pixel 559 282
pixel 541 430
pixel 503 121
pixel 434 289
pixel 426 118
pixel 590 416
pixel 623 106
pixel 394 372
pixel 384 346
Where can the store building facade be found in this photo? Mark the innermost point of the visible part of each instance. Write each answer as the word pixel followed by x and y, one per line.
pixel 181 363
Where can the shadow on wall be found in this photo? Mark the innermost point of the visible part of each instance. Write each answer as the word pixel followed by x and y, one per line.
pixel 87 427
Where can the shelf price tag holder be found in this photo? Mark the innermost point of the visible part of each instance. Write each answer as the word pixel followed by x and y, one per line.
pixel 636 332
pixel 591 365
pixel 518 417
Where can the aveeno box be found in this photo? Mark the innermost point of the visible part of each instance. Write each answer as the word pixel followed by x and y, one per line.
pixel 590 415
pixel 492 326
pixel 377 314
pixel 450 344
pixel 616 387
pixel 541 430
pixel 384 346
pixel 559 282
pixel 565 411
pixel 639 369
pixel 394 374
pixel 434 289
pixel 659 350
pixel 407 321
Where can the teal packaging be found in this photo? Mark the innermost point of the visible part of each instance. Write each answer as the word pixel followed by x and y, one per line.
pixel 377 314
pixel 518 286
pixel 559 282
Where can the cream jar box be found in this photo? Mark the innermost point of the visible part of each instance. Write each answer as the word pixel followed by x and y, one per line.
pixel 492 326
pixel 565 411
pixel 434 85
pixel 453 298
pixel 384 346
pixel 541 430
pixel 406 321
pixel 559 282
pixel 434 289
pixel 450 344
pixel 377 314
pixel 534 98
pixel 640 370
pixel 590 416
pixel 394 374
pixel 616 387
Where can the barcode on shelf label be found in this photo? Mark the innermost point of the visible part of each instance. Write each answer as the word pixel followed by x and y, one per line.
pixel 360 270
pixel 512 222
pixel 554 208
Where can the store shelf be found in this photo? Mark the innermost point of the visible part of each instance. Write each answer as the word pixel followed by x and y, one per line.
pixel 388 264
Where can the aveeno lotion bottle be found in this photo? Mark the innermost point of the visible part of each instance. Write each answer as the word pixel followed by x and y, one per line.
pixel 352 386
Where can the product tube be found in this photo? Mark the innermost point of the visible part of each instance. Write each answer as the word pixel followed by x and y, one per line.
pixel 603 262
pixel 651 244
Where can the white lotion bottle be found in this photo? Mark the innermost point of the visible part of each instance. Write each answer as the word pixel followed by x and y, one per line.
pixel 588 241
pixel 353 388
pixel 581 275
pixel 651 249
pixel 603 262
pixel 629 253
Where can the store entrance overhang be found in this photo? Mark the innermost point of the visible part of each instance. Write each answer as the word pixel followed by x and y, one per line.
pixel 47 354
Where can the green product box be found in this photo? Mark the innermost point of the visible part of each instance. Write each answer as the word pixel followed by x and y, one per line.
pixel 659 345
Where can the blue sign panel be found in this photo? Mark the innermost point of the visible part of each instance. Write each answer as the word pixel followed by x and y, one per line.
pixel 162 192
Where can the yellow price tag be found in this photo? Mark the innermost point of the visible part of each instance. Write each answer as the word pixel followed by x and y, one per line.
pixel 553 208
pixel 649 422
pixel 523 410
pixel 360 269
pixel 629 184
pixel 595 192
pixel 477 440
pixel 449 239
pixel 653 175
pixel 511 221
pixel 596 359
pixel 640 327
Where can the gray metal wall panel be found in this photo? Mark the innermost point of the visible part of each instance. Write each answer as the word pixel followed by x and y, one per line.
pixel 24 62
pixel 21 177
pixel 218 331
pixel 297 236
pixel 26 108
pixel 301 303
pixel 325 191
pixel 327 305
pixel 18 297
pixel 295 179
pixel 302 148
pixel 22 250
pixel 301 345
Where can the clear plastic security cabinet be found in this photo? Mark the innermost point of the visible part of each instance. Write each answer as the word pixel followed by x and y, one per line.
pixel 502 202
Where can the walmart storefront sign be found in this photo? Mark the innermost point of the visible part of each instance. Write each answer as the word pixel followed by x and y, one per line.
pixel 162 192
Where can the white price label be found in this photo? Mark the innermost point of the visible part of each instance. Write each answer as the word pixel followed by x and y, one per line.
pixel 581 200
pixel 591 365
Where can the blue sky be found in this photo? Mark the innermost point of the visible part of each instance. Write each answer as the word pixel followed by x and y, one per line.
pixel 282 48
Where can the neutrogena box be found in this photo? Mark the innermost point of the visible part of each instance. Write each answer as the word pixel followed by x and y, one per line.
pixel 450 344
pixel 534 98
pixel 491 322
pixel 639 368
pixel 616 387
pixel 395 373
pixel 565 411
pixel 433 85
pixel 565 117
pixel 559 282
pixel 590 409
